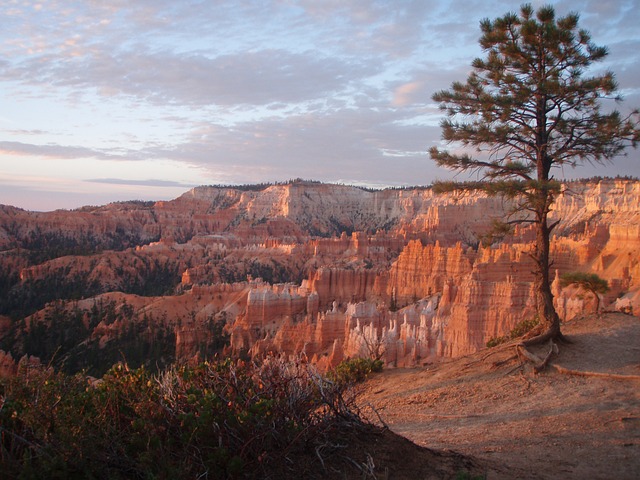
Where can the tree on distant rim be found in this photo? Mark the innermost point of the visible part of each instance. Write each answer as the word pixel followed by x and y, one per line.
pixel 589 282
pixel 527 107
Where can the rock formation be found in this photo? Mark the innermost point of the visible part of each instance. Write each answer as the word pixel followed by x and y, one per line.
pixel 304 268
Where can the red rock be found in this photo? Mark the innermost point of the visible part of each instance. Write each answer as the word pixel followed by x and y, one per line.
pixel 410 284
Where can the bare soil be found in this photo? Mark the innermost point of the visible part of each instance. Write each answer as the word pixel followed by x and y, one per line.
pixel 508 422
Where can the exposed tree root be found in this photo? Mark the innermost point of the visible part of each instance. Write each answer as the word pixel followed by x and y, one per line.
pixel 541 363
pixel 522 352
pixel 494 350
pixel 517 367
pixel 544 337
pixel 499 363
pixel 553 348
pixel 615 376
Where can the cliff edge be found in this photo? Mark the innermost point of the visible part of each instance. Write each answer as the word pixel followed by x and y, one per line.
pixel 579 421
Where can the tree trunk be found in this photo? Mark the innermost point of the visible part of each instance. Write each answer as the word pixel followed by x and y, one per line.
pixel 595 294
pixel 542 199
pixel 549 326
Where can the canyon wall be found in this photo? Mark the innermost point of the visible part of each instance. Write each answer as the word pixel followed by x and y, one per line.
pixel 326 271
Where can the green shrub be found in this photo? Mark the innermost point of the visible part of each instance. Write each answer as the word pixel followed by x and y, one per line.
pixel 355 370
pixel 495 341
pixel 218 420
pixel 523 327
pixel 519 330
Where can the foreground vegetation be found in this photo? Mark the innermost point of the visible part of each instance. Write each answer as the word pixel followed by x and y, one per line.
pixel 215 420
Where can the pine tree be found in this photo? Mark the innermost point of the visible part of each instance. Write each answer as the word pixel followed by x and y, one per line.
pixel 526 108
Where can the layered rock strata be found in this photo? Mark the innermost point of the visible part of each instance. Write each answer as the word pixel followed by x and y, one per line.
pixel 325 271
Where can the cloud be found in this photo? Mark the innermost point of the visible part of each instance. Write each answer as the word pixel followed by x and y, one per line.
pixel 250 91
pixel 346 143
pixel 27 132
pixel 53 151
pixel 229 55
pixel 252 78
pixel 146 183
pixel 405 93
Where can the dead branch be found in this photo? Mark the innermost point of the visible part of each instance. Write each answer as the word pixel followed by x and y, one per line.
pixel 319 454
pixel 375 410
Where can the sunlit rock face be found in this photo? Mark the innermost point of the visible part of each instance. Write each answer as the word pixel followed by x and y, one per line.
pixel 328 272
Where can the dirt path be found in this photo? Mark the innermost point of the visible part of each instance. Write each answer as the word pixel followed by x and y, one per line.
pixel 552 425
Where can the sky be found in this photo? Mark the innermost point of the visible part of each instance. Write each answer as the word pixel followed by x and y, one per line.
pixel 113 100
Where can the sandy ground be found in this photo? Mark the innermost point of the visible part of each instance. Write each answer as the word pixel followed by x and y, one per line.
pixel 492 406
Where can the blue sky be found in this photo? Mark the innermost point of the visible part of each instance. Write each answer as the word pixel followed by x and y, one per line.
pixel 142 99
